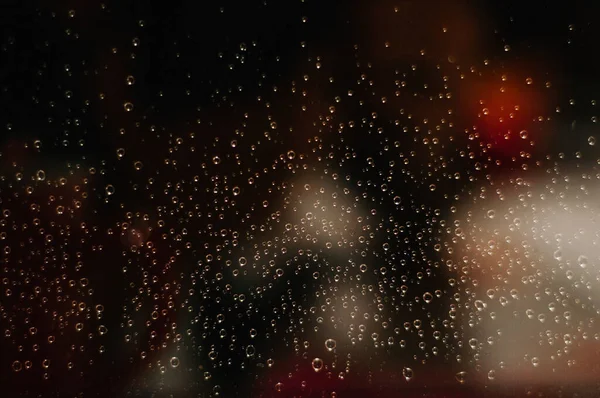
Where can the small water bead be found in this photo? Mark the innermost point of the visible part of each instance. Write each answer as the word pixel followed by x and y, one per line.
pixel 592 140
pixel 408 373
pixel 174 362
pixel 480 305
pixel 330 344
pixel 110 190
pixel 130 80
pixel 524 134
pixel 558 255
pixel 427 297
pixel 317 364
pixel 461 377
pixel 17 366
pixel 128 106
pixel 40 175
pixel 582 261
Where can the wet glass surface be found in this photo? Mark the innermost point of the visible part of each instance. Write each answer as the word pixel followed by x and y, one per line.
pixel 299 199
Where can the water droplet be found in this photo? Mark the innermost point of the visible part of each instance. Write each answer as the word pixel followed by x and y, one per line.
pixel 330 344
pixel 427 297
pixel 582 261
pixel 317 364
pixel 17 366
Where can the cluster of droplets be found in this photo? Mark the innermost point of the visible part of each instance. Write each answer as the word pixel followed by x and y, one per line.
pixel 369 224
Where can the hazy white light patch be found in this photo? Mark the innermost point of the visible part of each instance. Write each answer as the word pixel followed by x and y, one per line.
pixel 531 253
